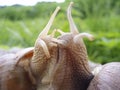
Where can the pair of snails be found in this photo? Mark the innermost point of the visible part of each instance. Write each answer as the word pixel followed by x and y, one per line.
pixel 57 64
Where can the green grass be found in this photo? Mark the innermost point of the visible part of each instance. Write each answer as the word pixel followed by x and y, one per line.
pixel 20 33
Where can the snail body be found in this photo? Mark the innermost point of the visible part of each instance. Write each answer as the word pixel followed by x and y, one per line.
pixel 57 64
pixel 72 71
pixel 108 78
pixel 14 77
pixel 26 70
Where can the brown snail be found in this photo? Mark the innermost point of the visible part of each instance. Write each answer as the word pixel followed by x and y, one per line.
pixel 26 70
pixel 57 64
pixel 72 70
pixel 44 56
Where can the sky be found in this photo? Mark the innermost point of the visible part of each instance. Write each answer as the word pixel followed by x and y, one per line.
pixel 25 2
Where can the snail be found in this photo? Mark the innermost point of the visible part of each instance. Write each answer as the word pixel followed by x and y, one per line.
pixel 30 68
pixel 57 64
pixel 72 70
pixel 14 77
pixel 44 56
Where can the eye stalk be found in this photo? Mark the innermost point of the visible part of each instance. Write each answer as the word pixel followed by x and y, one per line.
pixel 73 28
pixel 49 24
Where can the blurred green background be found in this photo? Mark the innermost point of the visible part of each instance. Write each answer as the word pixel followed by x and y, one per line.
pixel 20 25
